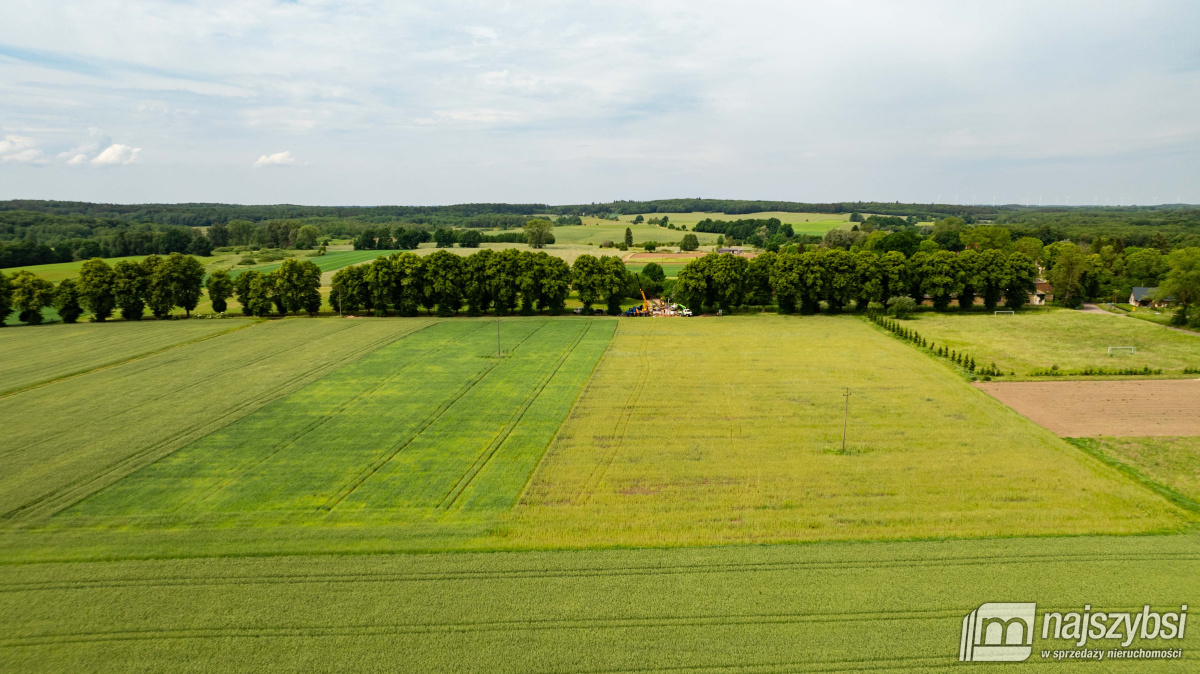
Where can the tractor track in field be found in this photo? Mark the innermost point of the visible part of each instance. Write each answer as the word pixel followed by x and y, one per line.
pixel 618 437
pixel 483 459
pixel 63 497
pixel 124 361
pixel 365 475
pixel 314 425
pixel 590 572
pixel 217 373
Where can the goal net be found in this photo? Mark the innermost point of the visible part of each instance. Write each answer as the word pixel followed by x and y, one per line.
pixel 1006 313
pixel 1121 350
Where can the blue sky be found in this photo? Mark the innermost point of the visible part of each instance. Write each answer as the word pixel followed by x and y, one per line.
pixel 364 102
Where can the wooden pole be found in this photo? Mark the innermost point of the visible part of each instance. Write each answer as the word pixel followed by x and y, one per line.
pixel 845 419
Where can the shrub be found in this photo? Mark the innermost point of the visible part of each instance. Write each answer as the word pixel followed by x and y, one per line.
pixel 901 307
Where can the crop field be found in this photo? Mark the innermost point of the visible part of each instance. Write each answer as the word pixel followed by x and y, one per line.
pixel 40 354
pixel 720 430
pixel 238 501
pixel 823 607
pixel 430 424
pixel 1072 340
pixel 69 438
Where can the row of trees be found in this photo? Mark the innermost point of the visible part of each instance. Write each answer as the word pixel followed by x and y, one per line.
pixel 502 281
pixel 536 232
pixel 802 281
pixel 158 283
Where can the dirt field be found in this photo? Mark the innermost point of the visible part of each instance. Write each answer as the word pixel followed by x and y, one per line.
pixel 1106 408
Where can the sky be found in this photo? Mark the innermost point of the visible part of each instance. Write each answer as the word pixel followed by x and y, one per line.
pixel 362 102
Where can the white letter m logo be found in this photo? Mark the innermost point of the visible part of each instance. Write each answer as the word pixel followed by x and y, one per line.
pixel 997 633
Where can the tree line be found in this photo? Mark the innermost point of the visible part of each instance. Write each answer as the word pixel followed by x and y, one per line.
pixel 504 282
pixel 803 281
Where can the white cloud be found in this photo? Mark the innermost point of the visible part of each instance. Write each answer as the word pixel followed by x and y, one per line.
pixel 19 149
pixel 113 155
pixel 284 158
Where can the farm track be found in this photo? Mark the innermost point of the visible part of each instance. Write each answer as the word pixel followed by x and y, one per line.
pixel 74 491
pixel 617 439
pixel 482 460
pixel 366 474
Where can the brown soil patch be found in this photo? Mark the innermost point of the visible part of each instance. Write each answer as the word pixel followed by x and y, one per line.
pixel 1115 408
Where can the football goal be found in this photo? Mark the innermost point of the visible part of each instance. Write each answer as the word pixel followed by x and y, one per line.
pixel 1121 350
pixel 1007 313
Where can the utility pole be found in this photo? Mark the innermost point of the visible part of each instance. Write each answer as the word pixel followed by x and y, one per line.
pixel 845 419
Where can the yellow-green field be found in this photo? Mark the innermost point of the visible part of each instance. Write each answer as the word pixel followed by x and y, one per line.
pixel 1070 339
pixel 729 430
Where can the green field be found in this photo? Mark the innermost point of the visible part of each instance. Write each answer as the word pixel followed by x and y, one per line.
pixel 328 262
pixel 671 270
pixel 826 607
pixel 64 270
pixel 595 232
pixel 428 426
pixel 1070 339
pixel 802 223
pixel 1173 462
pixel 388 494
pixel 69 438
pixel 39 354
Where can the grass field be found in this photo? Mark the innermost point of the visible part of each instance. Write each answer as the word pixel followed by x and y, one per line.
pixel 802 223
pixel 1070 339
pixel 328 262
pixel 39 354
pixel 823 607
pixel 1173 462
pixel 432 423
pixel 722 430
pixel 595 232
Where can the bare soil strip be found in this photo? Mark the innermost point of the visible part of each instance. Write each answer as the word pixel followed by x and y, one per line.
pixel 1106 408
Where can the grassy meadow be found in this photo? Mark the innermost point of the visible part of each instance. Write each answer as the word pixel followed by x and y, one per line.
pixel 1070 339
pixel 802 223
pixel 1172 462
pixel 819 607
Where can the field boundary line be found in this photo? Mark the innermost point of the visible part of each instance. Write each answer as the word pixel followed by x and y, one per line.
pixel 312 426
pixel 587 384
pixel 1091 447
pixel 610 455
pixel 21 389
pixel 388 455
pixel 513 422
pixel 67 495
